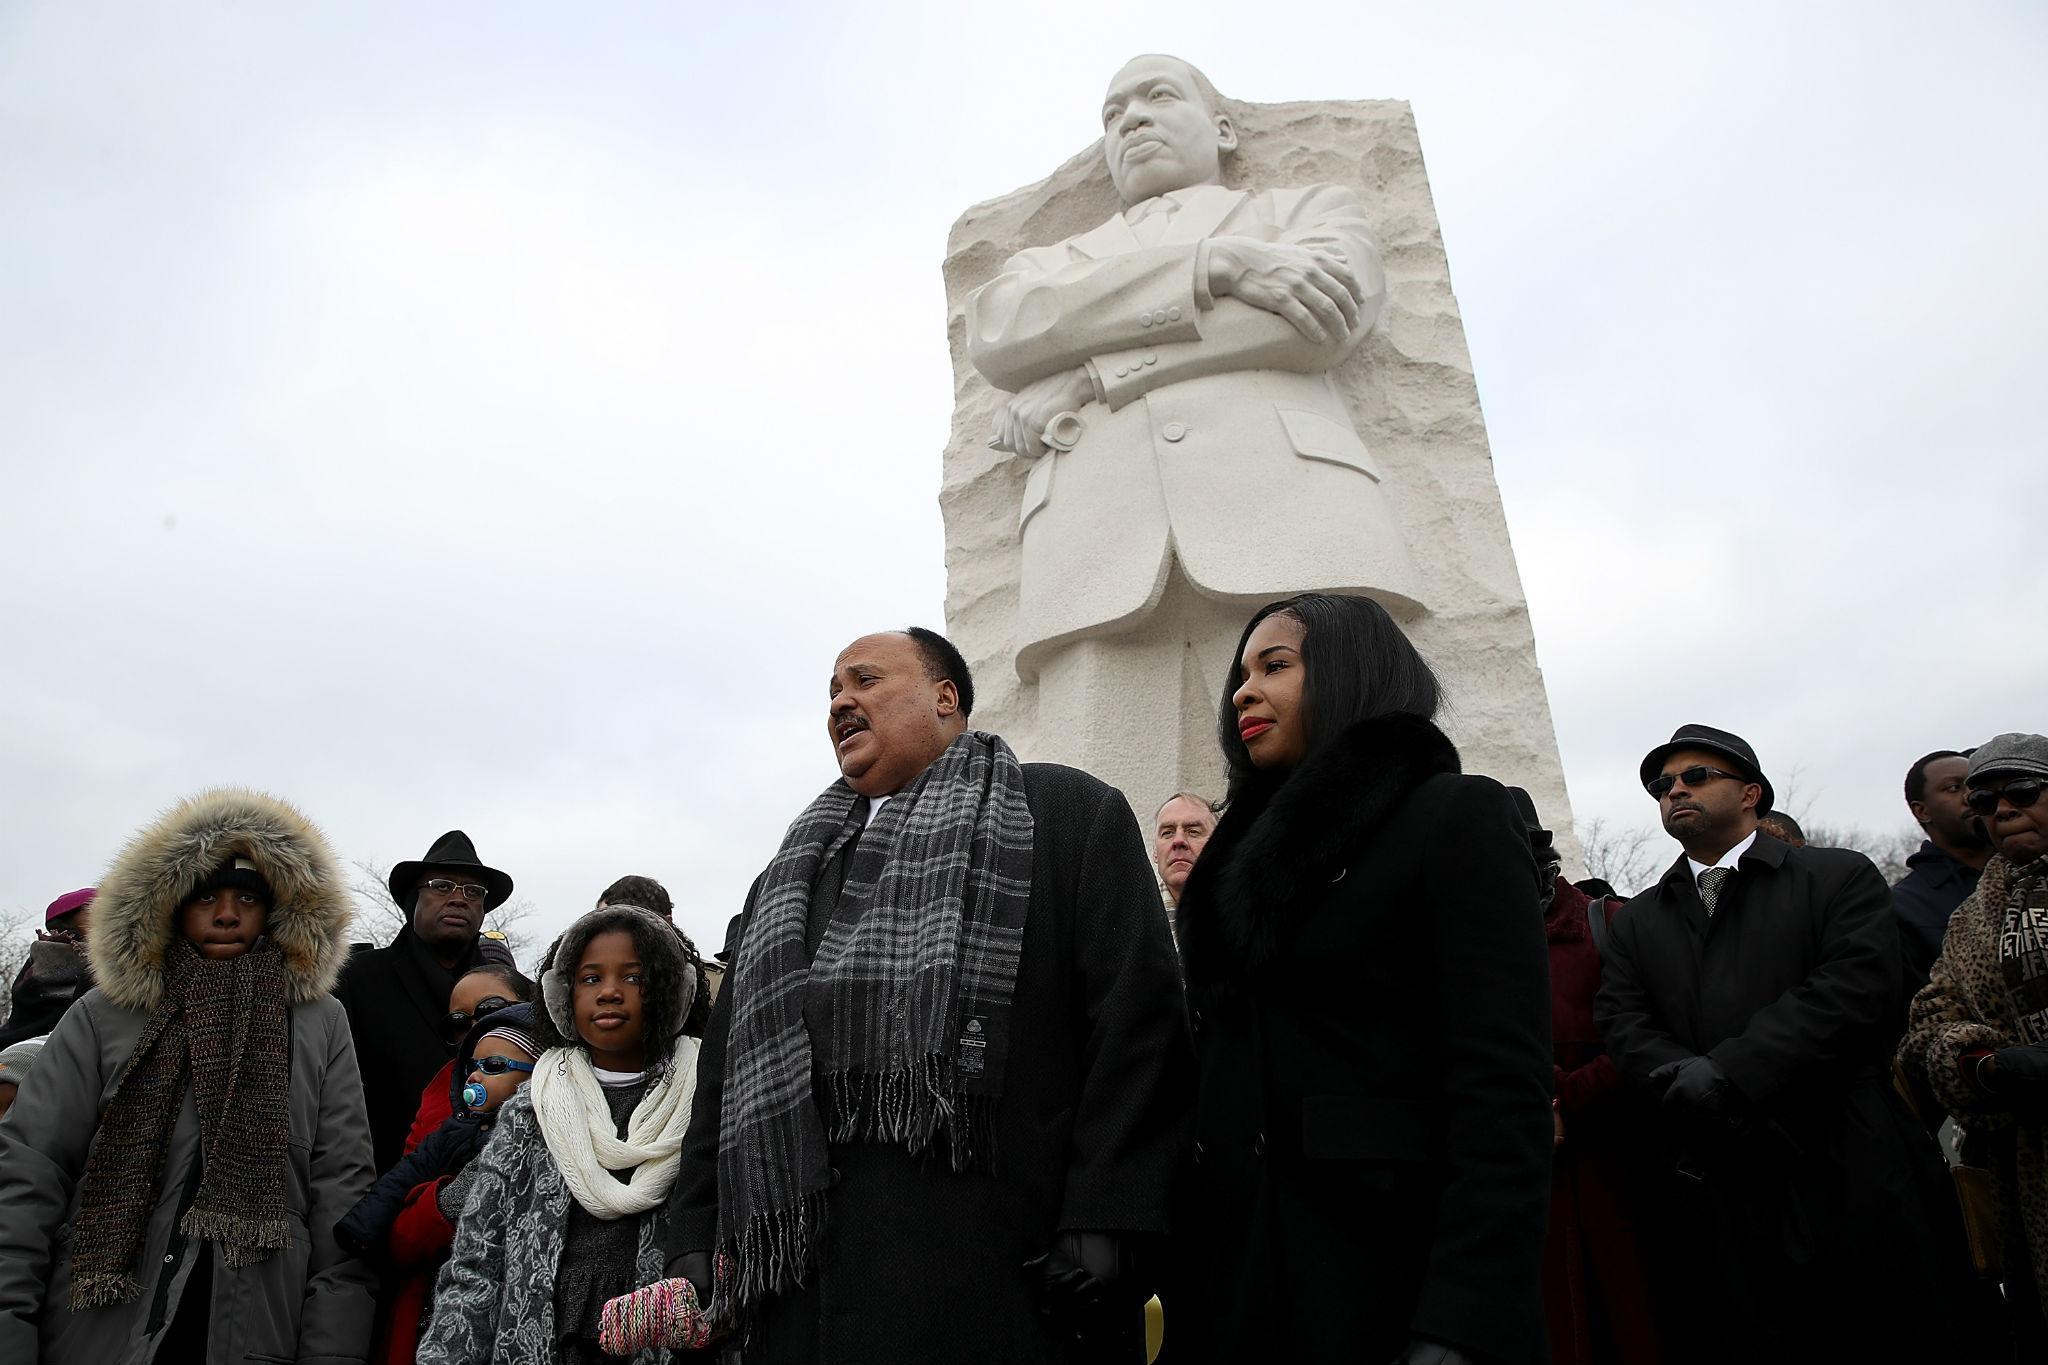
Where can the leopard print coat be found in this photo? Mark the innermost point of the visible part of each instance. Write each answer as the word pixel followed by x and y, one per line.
pixel 495 1301
pixel 1963 1008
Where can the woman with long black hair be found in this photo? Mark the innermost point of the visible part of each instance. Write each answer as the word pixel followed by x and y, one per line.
pixel 1367 981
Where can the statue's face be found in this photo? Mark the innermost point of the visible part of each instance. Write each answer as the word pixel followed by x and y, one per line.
pixel 1157 134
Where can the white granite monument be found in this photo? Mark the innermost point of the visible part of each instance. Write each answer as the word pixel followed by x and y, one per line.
pixel 1212 361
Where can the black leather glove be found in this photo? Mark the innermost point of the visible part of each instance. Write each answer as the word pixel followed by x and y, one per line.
pixel 1082 1288
pixel 1421 1352
pixel 694 1266
pixel 2020 1074
pixel 1694 1086
pixel 448 1148
pixel 444 1151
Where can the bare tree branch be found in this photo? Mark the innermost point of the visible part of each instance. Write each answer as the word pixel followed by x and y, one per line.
pixel 18 925
pixel 1624 858
pixel 1888 850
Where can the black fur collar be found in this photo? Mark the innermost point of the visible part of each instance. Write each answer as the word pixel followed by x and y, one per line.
pixel 1275 850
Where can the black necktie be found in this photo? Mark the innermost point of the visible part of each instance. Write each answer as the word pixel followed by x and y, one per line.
pixel 1711 882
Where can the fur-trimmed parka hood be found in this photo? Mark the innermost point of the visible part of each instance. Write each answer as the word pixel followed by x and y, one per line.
pixel 1275 851
pixel 134 919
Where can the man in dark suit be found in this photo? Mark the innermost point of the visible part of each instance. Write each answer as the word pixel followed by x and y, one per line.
pixel 1755 990
pixel 937 1125
pixel 397 996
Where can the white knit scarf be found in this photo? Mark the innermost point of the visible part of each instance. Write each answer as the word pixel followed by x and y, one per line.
pixel 582 1136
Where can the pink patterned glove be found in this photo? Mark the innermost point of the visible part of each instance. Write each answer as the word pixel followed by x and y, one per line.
pixel 662 1314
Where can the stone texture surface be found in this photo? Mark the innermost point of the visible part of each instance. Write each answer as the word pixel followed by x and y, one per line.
pixel 1412 394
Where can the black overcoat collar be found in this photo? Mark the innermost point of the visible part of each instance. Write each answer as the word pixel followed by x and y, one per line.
pixel 1274 850
pixel 1767 850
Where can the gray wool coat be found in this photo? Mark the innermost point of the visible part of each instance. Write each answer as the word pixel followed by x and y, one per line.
pixel 495 1301
pixel 311 1303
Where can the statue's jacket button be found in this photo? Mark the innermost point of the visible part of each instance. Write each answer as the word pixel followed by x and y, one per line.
pixel 1173 431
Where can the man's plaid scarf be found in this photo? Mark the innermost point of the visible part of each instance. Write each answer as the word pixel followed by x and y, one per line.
pixel 903 1017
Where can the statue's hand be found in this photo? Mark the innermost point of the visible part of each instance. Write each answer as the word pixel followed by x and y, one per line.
pixel 1020 423
pixel 1312 287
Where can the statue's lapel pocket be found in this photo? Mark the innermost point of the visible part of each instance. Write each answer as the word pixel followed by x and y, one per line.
pixel 1316 437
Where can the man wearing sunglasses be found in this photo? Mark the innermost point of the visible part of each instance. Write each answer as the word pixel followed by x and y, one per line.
pixel 397 996
pixel 1752 995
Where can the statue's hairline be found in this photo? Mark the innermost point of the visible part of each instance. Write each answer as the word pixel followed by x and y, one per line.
pixel 1206 88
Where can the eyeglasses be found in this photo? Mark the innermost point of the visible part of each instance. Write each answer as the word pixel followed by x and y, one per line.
pixel 497 1066
pixel 457 1024
pixel 1691 777
pixel 2021 794
pixel 469 891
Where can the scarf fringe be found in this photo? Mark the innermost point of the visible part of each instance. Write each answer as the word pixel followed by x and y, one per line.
pixel 103 1291
pixel 920 1109
pixel 775 1251
pixel 242 1240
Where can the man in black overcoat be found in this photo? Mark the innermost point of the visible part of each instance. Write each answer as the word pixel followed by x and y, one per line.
pixel 397 996
pixel 1943 871
pixel 916 1258
pixel 1756 990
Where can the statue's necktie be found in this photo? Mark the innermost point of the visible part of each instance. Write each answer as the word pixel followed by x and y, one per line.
pixel 1711 882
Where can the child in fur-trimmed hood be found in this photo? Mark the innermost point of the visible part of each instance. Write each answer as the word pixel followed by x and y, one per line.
pixel 196 1116
pixel 567 1202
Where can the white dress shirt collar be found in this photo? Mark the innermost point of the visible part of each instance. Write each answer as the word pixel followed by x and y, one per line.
pixel 1729 859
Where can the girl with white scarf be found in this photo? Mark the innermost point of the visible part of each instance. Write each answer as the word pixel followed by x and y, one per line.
pixel 569 1194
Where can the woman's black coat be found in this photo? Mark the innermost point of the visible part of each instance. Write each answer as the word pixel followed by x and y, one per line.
pixel 1369 987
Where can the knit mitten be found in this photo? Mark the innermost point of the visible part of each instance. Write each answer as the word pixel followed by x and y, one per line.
pixel 454 1189
pixel 662 1314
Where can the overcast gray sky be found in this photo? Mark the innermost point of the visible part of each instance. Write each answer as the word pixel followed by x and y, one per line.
pixel 497 416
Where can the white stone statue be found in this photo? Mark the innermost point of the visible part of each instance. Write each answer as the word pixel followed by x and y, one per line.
pixel 1213 362
pixel 1180 354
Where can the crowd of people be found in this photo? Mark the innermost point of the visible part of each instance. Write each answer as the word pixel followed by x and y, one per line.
pixel 1348 1071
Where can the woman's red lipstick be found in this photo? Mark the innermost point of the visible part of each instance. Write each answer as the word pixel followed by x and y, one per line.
pixel 1252 726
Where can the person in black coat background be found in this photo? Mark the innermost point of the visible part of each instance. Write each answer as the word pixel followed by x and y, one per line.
pixel 1756 991
pixel 397 996
pixel 1369 989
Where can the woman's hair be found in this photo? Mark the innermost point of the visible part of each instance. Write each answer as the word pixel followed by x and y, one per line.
pixel 1356 664
pixel 521 988
pixel 669 990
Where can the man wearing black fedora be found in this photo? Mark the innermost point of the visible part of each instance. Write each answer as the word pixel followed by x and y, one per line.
pixel 1754 992
pixel 397 996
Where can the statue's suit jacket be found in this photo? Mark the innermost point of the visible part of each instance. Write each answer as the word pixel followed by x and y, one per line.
pixel 1215 437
